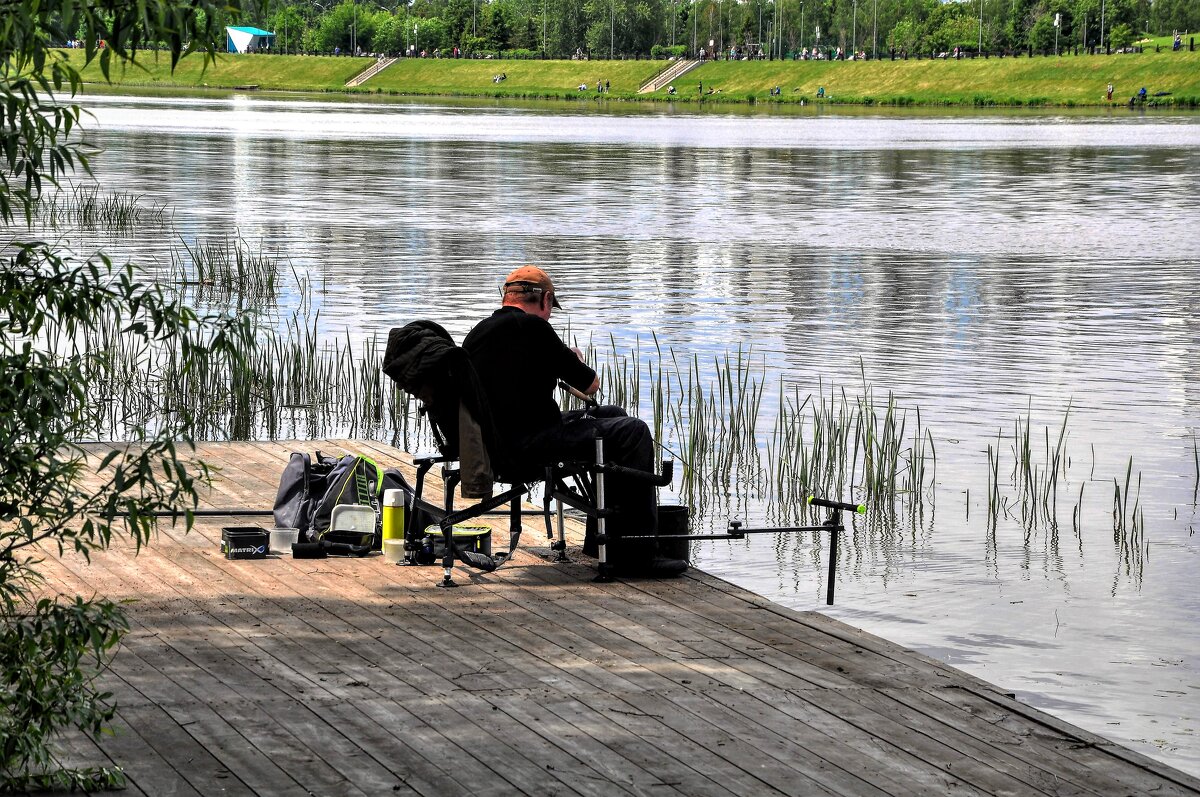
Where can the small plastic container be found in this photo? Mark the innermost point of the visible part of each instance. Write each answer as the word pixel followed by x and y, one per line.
pixel 352 517
pixel 393 551
pixel 282 540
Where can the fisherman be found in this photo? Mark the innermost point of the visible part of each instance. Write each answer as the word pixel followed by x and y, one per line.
pixel 520 360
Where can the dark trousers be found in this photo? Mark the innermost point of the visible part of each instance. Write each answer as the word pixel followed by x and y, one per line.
pixel 628 442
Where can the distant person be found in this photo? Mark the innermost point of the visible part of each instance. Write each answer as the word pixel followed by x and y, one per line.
pixel 607 86
pixel 671 90
pixel 1110 92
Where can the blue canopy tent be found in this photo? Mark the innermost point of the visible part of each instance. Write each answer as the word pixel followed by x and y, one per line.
pixel 248 40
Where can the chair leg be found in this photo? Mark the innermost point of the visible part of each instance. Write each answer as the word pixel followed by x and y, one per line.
pixel 604 569
pixel 559 546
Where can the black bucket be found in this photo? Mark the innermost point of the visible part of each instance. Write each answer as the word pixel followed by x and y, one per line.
pixel 674 519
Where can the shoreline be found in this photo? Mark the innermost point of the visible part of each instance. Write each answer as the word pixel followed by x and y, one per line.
pixel 1002 83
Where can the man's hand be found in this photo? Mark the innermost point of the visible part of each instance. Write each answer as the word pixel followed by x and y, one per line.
pixel 595 386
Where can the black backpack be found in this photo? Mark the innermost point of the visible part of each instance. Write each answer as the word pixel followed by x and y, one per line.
pixel 303 483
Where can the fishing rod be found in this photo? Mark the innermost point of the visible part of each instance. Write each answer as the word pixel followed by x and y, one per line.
pixel 833 525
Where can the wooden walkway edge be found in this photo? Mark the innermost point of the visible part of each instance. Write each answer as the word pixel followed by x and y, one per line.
pixel 358 677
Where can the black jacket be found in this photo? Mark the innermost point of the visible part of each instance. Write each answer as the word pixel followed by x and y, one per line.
pixel 423 360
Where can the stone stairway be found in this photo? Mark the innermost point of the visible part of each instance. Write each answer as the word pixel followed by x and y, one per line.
pixel 370 72
pixel 664 78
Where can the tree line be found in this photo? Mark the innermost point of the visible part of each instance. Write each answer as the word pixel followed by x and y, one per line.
pixel 779 28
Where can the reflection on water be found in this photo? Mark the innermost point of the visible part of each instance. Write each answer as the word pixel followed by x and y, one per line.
pixel 981 268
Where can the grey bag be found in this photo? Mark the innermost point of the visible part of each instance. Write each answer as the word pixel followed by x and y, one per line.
pixel 302 485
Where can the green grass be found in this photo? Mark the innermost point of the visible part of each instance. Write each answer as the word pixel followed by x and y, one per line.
pixel 524 78
pixel 287 72
pixel 1039 81
pixel 1065 81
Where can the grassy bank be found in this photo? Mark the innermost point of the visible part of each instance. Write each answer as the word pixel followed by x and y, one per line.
pixel 284 72
pixel 522 78
pixel 1066 81
pixel 1039 81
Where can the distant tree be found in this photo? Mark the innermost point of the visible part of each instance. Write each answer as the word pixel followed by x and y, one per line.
pixel 951 25
pixel 1042 34
pixel 432 34
pixel 1121 36
pixel 905 36
pixel 288 25
pixel 497 24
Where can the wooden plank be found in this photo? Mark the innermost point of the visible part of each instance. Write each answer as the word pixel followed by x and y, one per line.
pixel 836 745
pixel 340 624
pixel 666 682
pixel 354 677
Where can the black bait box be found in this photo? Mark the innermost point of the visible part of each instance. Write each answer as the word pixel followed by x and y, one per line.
pixel 244 542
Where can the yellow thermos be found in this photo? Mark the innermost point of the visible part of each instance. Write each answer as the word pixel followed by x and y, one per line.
pixel 393 515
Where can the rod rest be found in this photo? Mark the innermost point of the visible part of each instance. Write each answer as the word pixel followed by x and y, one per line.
pixel 668 472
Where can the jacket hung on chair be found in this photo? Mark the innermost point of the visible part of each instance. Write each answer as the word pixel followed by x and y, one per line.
pixel 423 360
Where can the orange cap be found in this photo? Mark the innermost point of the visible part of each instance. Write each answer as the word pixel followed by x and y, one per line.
pixel 528 279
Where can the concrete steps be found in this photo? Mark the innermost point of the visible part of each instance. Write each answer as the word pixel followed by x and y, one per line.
pixel 664 78
pixel 370 72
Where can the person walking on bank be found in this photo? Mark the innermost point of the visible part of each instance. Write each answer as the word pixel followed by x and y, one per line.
pixel 520 360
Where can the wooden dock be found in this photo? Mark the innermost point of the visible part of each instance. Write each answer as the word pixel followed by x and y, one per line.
pixel 358 677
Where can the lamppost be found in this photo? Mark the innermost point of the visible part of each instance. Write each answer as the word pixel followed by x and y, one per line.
pixel 854 30
pixel 759 4
pixel 391 11
pixel 1101 24
pixel 875 33
pixel 317 5
pixel 612 30
pixel 801 25
pixel 721 24
pixel 695 20
pixel 979 49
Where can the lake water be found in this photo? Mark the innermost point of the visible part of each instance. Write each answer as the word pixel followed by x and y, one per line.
pixel 980 267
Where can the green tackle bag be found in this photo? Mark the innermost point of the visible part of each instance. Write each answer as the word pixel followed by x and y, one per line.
pixel 354 480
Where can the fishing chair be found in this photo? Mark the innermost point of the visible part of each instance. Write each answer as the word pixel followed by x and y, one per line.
pixel 422 358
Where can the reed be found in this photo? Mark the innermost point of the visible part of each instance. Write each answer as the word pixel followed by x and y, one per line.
pixel 1036 482
pixel 1129 526
pixel 84 207
pixel 225 271
pixel 1196 463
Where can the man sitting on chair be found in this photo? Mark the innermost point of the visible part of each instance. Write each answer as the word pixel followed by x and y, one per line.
pixel 520 360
